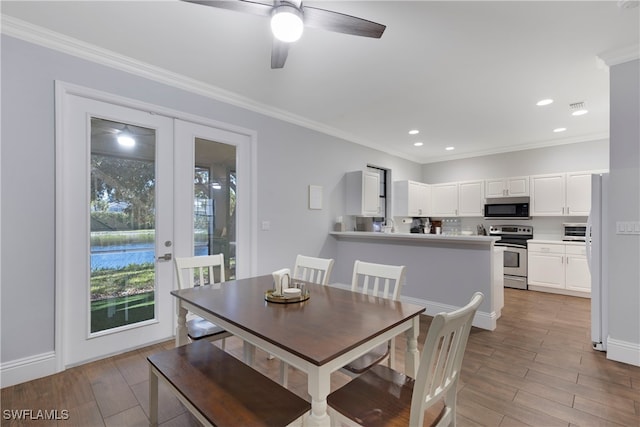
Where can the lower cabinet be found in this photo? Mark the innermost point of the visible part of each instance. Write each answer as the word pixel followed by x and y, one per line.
pixel 558 267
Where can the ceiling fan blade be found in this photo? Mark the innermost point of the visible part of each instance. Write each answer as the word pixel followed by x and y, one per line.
pixel 252 7
pixel 279 52
pixel 341 23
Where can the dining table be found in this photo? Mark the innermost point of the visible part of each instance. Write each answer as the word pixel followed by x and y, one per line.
pixel 318 336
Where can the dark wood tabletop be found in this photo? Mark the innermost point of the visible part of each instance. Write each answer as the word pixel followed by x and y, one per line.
pixel 330 323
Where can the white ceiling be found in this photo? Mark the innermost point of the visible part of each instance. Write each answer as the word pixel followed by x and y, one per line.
pixel 465 73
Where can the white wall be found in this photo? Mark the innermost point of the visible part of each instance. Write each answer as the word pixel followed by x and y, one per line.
pixel 289 159
pixel 624 205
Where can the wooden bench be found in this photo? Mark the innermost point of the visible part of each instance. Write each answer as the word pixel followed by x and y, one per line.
pixel 220 390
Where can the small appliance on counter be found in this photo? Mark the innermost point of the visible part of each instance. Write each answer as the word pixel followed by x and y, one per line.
pixel 418 225
pixel 574 231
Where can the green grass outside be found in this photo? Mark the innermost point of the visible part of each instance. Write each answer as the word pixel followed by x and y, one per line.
pixel 111 313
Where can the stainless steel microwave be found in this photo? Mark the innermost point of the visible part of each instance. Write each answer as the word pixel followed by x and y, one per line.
pixel 507 208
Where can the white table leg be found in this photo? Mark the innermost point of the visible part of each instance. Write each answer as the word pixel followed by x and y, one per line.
pixel 181 329
pixel 248 353
pixel 412 357
pixel 284 374
pixel 318 386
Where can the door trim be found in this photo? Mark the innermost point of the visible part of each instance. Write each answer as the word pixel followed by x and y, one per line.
pixel 247 157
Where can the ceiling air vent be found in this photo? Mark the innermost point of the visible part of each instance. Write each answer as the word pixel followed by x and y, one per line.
pixel 577 106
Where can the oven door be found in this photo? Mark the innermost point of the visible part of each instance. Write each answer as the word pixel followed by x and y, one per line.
pixel 515 259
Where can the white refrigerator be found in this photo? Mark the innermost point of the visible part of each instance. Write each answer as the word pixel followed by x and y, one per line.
pixel 597 255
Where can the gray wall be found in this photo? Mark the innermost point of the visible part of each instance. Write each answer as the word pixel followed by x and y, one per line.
pixel 289 159
pixel 575 157
pixel 624 205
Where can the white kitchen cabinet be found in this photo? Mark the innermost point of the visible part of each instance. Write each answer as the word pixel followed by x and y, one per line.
pixel 471 198
pixel 558 267
pixel 578 197
pixel 411 198
pixel 517 186
pixel 561 194
pixel 545 265
pixel 548 195
pixel 444 199
pixel 577 275
pixel 363 193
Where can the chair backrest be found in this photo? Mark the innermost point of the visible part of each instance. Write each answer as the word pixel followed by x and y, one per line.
pixel 441 361
pixel 199 270
pixel 368 278
pixel 311 269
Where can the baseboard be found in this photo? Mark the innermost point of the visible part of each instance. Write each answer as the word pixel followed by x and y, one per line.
pixel 623 351
pixel 27 369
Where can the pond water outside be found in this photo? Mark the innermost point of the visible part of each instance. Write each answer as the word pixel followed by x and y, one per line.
pixel 119 256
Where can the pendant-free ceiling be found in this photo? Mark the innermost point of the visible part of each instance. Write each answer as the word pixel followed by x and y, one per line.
pixel 289 17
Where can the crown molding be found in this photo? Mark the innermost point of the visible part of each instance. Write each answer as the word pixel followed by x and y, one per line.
pixel 620 55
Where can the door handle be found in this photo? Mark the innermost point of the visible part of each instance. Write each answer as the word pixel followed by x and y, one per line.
pixel 165 257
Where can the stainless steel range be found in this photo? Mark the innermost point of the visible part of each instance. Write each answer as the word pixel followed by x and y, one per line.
pixel 514 239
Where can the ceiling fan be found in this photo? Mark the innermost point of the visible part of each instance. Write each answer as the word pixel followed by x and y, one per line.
pixel 289 17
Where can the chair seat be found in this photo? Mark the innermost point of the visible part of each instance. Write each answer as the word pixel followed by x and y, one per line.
pixel 199 328
pixel 381 397
pixel 366 361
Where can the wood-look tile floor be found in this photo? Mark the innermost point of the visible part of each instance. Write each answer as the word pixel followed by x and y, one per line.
pixel 537 368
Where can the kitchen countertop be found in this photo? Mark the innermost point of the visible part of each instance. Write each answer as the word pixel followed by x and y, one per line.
pixel 415 237
pixel 556 242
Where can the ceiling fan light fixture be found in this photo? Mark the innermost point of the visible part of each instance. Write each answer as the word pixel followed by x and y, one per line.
pixel 286 23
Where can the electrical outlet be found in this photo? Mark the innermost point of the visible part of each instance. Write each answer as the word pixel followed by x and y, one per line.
pixel 266 225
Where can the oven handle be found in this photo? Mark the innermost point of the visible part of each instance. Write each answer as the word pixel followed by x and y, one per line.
pixel 511 245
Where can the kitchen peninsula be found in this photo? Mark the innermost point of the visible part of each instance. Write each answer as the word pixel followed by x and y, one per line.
pixel 442 271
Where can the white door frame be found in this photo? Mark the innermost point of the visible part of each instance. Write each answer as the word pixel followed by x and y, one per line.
pixel 246 142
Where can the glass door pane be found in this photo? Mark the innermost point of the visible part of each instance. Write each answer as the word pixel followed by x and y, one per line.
pixel 214 202
pixel 122 212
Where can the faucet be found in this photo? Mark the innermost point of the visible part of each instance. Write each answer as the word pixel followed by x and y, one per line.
pixel 393 224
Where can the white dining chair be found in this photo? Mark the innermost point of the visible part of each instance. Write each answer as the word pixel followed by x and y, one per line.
pixel 383 281
pixel 309 269
pixel 312 269
pixel 384 397
pixel 199 271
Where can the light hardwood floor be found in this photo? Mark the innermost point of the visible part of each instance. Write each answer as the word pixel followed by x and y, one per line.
pixel 537 368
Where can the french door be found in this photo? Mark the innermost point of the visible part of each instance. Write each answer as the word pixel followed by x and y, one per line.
pixel 135 189
pixel 115 228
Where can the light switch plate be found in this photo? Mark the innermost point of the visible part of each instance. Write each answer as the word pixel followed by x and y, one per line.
pixel 628 227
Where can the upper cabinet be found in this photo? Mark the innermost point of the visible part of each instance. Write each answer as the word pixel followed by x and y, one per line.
pixel 412 198
pixel 516 186
pixel 444 199
pixel 561 194
pixel 578 197
pixel 471 198
pixel 363 193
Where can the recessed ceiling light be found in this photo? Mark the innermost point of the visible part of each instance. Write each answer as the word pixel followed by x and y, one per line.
pixel 544 102
pixel 418 144
pixel 450 148
pixel 580 112
pixel 559 130
pixel 414 132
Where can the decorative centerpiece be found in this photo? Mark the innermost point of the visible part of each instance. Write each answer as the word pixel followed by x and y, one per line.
pixel 285 291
